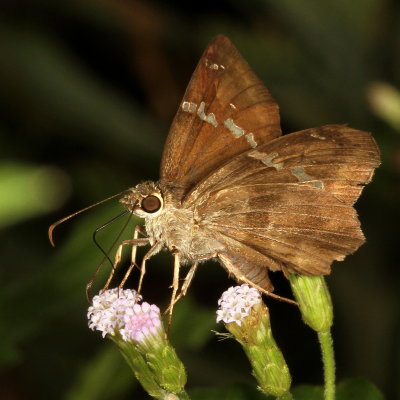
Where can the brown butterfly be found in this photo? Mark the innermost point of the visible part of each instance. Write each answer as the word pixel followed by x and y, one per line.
pixel 233 189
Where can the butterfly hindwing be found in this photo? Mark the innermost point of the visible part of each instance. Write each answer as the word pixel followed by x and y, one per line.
pixel 292 199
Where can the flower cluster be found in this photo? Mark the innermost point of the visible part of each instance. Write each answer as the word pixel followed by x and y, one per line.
pixel 106 314
pixel 118 311
pixel 140 322
pixel 136 328
pixel 236 302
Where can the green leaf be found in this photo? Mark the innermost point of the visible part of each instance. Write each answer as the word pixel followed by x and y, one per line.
pixel 69 96
pixel 308 392
pixel 29 191
pixel 103 376
pixel 349 389
pixel 358 388
pixel 188 332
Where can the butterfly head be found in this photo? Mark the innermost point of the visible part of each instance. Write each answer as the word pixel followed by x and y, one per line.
pixel 144 200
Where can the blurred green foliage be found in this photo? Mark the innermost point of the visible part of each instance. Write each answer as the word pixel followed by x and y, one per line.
pixel 349 389
pixel 87 92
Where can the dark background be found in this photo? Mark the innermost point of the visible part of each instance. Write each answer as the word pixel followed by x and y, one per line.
pixel 88 90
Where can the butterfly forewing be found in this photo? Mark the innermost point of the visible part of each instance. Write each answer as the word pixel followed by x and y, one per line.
pixel 291 199
pixel 225 111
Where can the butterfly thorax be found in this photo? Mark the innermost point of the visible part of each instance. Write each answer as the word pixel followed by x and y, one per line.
pixel 173 228
pixel 169 223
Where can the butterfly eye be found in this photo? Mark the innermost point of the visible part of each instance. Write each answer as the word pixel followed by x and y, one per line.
pixel 151 204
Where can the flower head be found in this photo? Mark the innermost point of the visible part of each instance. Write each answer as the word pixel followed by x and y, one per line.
pixel 247 319
pixel 108 309
pixel 136 328
pixel 141 322
pixel 236 302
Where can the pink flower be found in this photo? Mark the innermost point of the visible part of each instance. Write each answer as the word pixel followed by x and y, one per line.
pixel 236 302
pixel 141 322
pixel 106 314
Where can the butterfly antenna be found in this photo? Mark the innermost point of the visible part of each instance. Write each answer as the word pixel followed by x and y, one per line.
pixel 106 253
pixel 53 226
pixel 104 226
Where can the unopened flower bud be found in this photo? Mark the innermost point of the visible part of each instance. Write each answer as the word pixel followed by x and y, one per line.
pixel 312 294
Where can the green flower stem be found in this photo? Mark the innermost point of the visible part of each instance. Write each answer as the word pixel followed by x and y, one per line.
pixel 326 343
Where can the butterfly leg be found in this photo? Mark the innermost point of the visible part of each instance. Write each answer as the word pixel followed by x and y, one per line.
pixel 174 286
pixel 238 268
pixel 138 230
pixel 152 251
pixel 186 282
pixel 185 286
pixel 268 293
pixel 136 241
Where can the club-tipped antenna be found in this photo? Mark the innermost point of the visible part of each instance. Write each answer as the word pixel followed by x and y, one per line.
pixel 53 226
